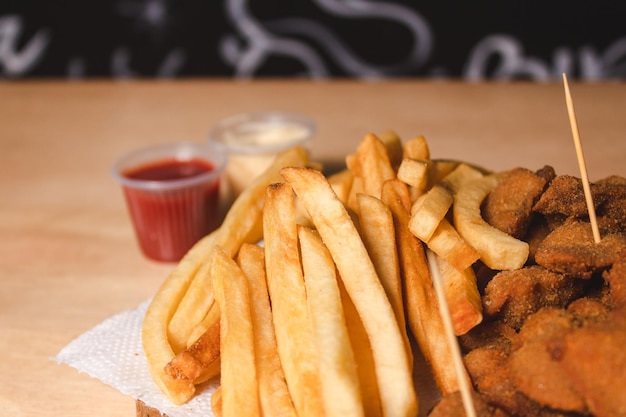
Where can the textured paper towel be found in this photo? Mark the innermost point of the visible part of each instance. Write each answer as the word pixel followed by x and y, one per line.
pixel 112 353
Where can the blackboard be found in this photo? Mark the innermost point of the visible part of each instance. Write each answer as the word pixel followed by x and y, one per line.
pixel 471 40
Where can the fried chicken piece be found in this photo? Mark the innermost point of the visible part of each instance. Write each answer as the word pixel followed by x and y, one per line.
pixel 564 198
pixel 547 173
pixel 513 295
pixel 539 229
pixel 588 308
pixel 534 366
pixel 594 361
pixel 595 358
pixel 509 206
pixel 572 365
pixel 488 334
pixel 570 249
pixel 488 368
pixel 452 406
pixel 574 359
pixel 612 213
pixel 616 277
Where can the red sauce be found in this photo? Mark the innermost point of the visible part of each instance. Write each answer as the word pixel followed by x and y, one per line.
pixel 168 222
pixel 169 169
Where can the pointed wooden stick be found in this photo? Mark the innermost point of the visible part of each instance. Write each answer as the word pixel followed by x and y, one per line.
pixel 459 367
pixel 581 161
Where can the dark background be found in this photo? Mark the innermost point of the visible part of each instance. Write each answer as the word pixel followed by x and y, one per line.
pixel 205 38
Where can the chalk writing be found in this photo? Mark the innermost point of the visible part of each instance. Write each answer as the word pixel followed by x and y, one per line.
pixel 513 63
pixel 314 38
pixel 14 62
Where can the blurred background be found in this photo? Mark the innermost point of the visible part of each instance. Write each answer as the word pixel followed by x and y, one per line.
pixel 367 39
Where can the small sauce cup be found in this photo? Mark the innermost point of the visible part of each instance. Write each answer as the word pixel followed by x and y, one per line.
pixel 252 140
pixel 172 195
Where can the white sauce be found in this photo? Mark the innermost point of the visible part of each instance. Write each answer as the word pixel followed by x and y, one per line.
pixel 264 133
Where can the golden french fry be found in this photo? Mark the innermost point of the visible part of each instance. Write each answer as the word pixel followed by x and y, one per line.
pixel 362 349
pixel 393 144
pixel 417 148
pixel 238 380
pixel 392 362
pixel 414 172
pixel 428 220
pixel 200 361
pixel 357 188
pixel 240 225
pixel 374 164
pixel 460 175
pixel 342 184
pixel 192 309
pixel 292 323
pixel 154 333
pixel 497 249
pixel 273 391
pixel 378 234
pixel 421 301
pixel 340 384
pixel 447 243
pixel 428 211
pixel 439 168
pixel 452 174
pixel 462 295
pixel 216 402
pixel 211 317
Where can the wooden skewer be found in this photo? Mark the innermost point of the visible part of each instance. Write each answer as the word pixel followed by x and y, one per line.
pixel 459 368
pixel 581 162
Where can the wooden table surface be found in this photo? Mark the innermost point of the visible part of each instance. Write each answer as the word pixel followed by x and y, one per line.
pixel 68 257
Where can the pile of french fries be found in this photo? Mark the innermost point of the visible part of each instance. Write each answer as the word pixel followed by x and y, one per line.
pixel 319 318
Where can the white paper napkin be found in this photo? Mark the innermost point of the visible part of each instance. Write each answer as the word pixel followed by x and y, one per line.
pixel 112 353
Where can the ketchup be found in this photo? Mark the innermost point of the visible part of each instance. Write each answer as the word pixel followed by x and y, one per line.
pixel 169 169
pixel 168 218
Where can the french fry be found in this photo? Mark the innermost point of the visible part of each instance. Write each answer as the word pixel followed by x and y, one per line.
pixel 216 402
pixel 462 296
pixel 362 349
pixel 154 333
pixel 460 175
pixel 273 391
pixel 340 384
pixel 393 144
pixel 211 317
pixel 448 244
pixel 416 148
pixel 292 323
pixel 378 234
pixel 374 164
pixel 421 306
pixel 428 211
pixel 192 309
pixel 342 184
pixel 428 220
pixel 238 380
pixel 200 361
pixel 392 362
pixel 356 189
pixel 440 168
pixel 414 172
pixel 498 250
pixel 465 387
pixel 241 224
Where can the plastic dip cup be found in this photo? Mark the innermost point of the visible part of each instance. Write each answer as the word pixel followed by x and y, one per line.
pixel 252 140
pixel 172 195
